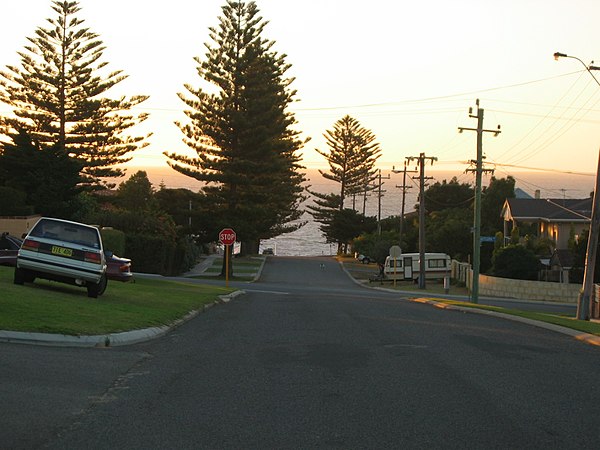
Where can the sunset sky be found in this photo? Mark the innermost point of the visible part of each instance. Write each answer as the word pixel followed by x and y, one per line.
pixel 408 71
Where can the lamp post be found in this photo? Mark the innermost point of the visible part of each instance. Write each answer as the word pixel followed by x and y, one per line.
pixel 585 295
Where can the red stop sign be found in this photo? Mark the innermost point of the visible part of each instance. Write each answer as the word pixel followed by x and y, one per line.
pixel 227 236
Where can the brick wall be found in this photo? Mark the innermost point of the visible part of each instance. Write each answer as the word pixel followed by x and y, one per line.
pixel 528 290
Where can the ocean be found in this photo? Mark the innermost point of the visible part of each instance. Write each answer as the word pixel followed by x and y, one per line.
pixel 308 240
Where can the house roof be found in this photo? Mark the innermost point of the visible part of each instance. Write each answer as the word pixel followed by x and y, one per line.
pixel 520 193
pixel 548 210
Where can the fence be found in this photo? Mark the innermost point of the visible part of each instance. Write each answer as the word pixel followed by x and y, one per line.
pixel 519 289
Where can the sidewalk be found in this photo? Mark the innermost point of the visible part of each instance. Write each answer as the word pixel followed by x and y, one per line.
pixel 247 267
pixel 201 267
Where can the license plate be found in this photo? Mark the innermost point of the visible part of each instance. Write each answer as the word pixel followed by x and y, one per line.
pixel 61 251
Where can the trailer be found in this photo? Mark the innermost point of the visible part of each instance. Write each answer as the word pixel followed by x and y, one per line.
pixel 407 266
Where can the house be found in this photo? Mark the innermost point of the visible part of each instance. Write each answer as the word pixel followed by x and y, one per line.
pixel 555 219
pixel 561 263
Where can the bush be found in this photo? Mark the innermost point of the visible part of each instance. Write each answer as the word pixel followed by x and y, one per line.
pixel 187 253
pixel 113 240
pixel 516 262
pixel 149 254
pixel 376 246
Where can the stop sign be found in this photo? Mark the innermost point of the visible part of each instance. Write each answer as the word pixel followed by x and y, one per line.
pixel 227 236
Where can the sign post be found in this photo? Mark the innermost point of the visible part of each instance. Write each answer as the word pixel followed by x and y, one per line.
pixel 395 253
pixel 227 237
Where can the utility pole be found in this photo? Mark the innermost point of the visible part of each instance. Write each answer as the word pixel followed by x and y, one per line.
pixel 479 170
pixel 421 161
pixel 379 197
pixel 585 310
pixel 404 188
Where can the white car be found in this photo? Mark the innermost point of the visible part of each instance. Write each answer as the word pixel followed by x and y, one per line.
pixel 64 251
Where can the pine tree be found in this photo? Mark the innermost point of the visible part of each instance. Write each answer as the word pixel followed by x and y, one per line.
pixel 48 178
pixel 56 96
pixel 247 151
pixel 352 155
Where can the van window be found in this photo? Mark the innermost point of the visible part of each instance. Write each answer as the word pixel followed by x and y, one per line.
pixel 436 263
pixel 397 261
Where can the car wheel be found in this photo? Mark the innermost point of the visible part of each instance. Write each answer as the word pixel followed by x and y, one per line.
pixel 19 276
pixel 103 284
pixel 94 290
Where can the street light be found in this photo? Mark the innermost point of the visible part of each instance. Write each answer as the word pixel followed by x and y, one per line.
pixel 585 295
pixel 589 68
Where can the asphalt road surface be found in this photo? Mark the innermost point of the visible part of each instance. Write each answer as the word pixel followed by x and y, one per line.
pixel 307 359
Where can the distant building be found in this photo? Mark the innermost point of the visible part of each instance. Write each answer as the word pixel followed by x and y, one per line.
pixel 18 225
pixel 520 193
pixel 554 219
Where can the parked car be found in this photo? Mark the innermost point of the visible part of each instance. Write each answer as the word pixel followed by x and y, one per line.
pixel 9 247
pixel 117 268
pixel 64 251
pixel 365 259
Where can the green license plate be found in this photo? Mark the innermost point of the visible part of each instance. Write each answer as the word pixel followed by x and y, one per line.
pixel 62 251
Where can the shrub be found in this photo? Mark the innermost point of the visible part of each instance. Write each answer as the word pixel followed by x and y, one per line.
pixel 516 262
pixel 113 240
pixel 148 253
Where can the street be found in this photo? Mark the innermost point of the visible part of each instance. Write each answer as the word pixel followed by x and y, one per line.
pixel 308 359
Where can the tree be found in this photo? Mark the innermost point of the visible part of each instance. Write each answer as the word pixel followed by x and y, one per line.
pixel 323 211
pixel 187 208
pixel 247 150
pixel 137 193
pixel 492 201
pixel 348 224
pixel 56 96
pixel 352 155
pixel 445 195
pixel 449 231
pixel 48 178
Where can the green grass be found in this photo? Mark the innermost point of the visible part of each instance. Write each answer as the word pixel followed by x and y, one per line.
pixel 50 307
pixel 564 321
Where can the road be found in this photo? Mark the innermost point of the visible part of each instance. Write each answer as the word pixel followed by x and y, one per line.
pixel 307 359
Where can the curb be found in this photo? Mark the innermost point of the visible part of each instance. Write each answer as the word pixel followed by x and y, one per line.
pixel 580 336
pixel 111 339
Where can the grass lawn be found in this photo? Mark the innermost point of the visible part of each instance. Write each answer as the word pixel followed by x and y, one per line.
pixel 51 307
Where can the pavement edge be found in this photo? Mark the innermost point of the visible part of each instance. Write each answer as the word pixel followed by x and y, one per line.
pixel 110 339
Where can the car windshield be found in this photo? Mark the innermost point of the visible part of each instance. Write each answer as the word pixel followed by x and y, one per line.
pixel 67 232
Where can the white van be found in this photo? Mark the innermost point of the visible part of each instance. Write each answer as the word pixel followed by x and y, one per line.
pixel 407 267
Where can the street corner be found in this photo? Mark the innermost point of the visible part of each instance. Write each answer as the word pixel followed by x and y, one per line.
pixel 433 302
pixel 227 298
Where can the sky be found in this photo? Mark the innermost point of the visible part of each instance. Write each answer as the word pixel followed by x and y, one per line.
pixel 407 71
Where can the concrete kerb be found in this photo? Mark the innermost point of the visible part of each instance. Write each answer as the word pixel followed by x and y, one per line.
pixel 580 336
pixel 110 339
pixel 584 337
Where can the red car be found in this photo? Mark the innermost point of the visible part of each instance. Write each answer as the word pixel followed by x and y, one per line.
pixel 117 269
pixel 9 247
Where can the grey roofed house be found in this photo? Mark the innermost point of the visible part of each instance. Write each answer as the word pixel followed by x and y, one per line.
pixel 554 218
